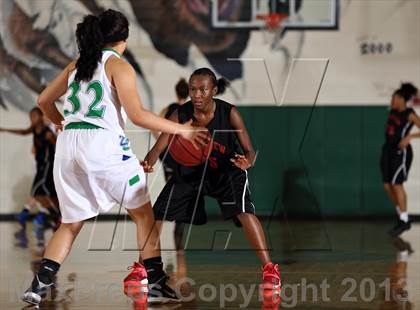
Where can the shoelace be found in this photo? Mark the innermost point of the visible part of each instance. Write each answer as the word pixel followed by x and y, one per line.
pixel 134 266
pixel 272 270
pixel 136 269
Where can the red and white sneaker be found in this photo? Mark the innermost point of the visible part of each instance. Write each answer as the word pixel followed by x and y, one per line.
pixel 136 282
pixel 271 277
pixel 271 300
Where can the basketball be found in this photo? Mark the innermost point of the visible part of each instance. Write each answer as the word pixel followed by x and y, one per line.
pixel 184 152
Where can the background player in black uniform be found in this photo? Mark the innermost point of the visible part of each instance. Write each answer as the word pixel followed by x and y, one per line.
pixel 225 175
pixel 43 189
pixel 397 153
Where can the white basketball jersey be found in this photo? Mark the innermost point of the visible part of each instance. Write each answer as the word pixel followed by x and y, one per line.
pixel 96 101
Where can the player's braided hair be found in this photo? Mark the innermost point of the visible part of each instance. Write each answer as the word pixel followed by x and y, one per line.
pixel 221 83
pixel 92 34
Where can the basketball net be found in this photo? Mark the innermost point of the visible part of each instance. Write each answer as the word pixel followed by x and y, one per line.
pixel 273 28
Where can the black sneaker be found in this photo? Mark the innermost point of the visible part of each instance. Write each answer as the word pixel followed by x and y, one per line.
pixel 399 228
pixel 402 246
pixel 36 292
pixel 159 291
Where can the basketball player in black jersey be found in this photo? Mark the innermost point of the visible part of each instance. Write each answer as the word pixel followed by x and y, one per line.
pixel 225 175
pixel 397 153
pixel 43 189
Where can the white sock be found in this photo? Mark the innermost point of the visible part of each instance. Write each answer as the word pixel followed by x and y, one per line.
pixel 398 210
pixel 404 216
pixel 402 256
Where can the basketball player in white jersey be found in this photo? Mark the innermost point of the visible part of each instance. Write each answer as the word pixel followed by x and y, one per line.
pixel 94 166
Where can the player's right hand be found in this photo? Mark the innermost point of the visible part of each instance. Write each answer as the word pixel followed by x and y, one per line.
pixel 198 136
pixel 146 167
pixel 58 128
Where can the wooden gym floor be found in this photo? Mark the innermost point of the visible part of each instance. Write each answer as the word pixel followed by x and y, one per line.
pixel 324 265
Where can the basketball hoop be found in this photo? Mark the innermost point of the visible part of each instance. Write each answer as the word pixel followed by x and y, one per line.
pixel 273 27
pixel 272 20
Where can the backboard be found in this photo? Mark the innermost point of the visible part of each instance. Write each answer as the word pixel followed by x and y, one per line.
pixel 302 14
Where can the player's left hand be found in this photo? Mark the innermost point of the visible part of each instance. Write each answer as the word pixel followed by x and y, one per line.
pixel 241 162
pixel 404 142
pixel 58 128
pixel 146 166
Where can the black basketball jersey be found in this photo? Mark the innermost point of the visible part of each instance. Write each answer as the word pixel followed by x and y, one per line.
pixel 171 109
pixel 44 149
pixel 225 141
pixel 397 126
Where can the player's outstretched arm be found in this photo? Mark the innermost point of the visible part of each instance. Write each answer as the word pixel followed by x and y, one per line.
pixel 161 114
pixel 415 119
pixel 160 145
pixel 124 78
pixel 56 89
pixel 247 160
pixel 21 132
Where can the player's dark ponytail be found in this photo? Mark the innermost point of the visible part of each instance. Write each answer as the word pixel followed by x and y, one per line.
pixel 90 42
pixel 92 34
pixel 221 83
pixel 408 90
pixel 182 89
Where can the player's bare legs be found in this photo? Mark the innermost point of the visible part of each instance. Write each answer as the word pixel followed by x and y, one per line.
pixel 159 225
pixel 400 196
pixel 149 247
pixel 147 236
pixel 147 233
pixel 253 231
pixel 404 221
pixel 59 246
pixel 44 201
pixel 255 234
pixel 391 194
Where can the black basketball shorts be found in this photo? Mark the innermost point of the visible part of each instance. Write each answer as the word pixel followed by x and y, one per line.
pixel 43 184
pixel 184 201
pixel 395 164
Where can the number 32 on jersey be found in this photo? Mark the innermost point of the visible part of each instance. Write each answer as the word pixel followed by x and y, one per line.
pixel 93 111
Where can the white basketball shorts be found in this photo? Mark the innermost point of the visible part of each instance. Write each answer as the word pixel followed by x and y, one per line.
pixel 94 170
